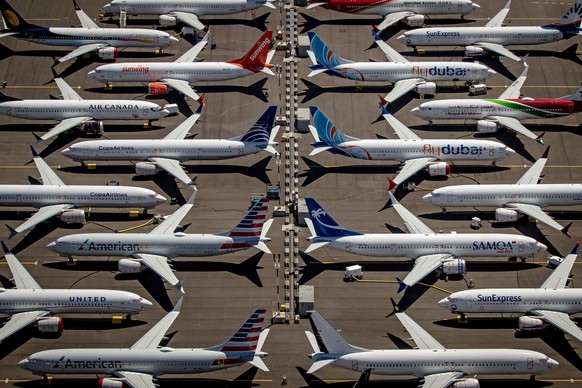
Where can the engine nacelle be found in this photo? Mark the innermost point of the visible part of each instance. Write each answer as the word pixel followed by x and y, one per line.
pixel 92 127
pixel 454 267
pixel 439 169
pixel 107 382
pixel 526 323
pixel 145 169
pixel 156 88
pixel 50 325
pixel 426 88
pixel 167 20
pixel 130 266
pixel 505 215
pixel 486 126
pixel 465 383
pixel 414 21
pixel 108 53
pixel 75 216
pixel 474 51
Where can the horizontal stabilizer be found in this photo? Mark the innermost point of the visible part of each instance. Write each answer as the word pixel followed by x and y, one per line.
pixel 315 246
pixel 316 72
pixel 317 365
pixel 319 150
pixel 257 362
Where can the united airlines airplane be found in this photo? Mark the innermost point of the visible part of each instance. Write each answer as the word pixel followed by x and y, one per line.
pixel 494 36
pixel 55 198
pixel 139 365
pixel 430 361
pixel 404 75
pixel 89 38
pixel 441 252
pixel 30 304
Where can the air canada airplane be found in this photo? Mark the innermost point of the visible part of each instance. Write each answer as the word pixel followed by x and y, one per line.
pixel 88 38
pixel 404 75
pixel 413 152
pixel 139 365
pixel 551 303
pixel 430 361
pixel 441 252
pixel 525 197
pixel 55 198
pixel 157 248
pixel 29 303
pixel 167 153
pixel 494 36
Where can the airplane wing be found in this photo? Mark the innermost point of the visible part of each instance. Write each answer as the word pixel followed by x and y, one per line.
pixel 497 20
pixel 401 130
pixel 413 224
pixel 514 90
pixel 419 335
pixel 401 88
pixel 86 21
pixel 67 91
pixel 497 49
pixel 423 265
pixel 536 212
pixel 393 18
pixel 136 380
pixel 532 175
pixel 47 175
pixel 560 320
pixel 170 223
pixel 19 321
pixel 440 380
pixel 181 131
pixel 411 167
pixel 183 87
pixel 43 214
pixel 560 275
pixel 190 55
pixel 63 126
pixel 516 126
pixel 189 19
pixel 159 264
pixel 172 167
pixel 22 277
pixel 391 54
pixel 82 50
pixel 152 338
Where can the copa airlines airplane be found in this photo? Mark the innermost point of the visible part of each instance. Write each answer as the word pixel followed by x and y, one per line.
pixel 493 37
pixel 29 303
pixel 180 73
pixel 506 111
pixel 55 198
pixel 89 38
pixel 155 249
pixel 413 152
pixel 551 303
pixel 430 251
pixel 430 361
pixel 525 197
pixel 73 111
pixel 167 153
pixel 404 75
pixel 139 365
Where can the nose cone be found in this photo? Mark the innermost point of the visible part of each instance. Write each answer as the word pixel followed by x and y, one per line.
pixel 541 247
pixel 173 39
pixel 427 198
pixel 475 6
pixel 52 246
pixel 145 303
pixel 416 112
pixel 401 38
pixel 66 151
pixel 160 198
pixel 92 74
pixel 551 363
pixel 509 151
pixel 444 303
pixel 491 72
pixel 24 364
pixel 165 112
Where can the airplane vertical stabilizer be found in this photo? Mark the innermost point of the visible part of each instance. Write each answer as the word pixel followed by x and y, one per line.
pixel 328 339
pixel 249 231
pixel 576 96
pixel 570 18
pixel 259 134
pixel 323 54
pixel 323 223
pixel 258 56
pixel 327 132
pixel 12 19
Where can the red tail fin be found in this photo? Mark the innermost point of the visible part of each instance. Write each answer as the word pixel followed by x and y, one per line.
pixel 257 55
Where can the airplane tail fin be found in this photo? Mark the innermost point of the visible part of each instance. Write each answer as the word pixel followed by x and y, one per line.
pixel 323 223
pixel 576 96
pixel 5 98
pixel 572 18
pixel 326 338
pixel 12 19
pixel 262 133
pixel 316 3
pixel 251 229
pixel 258 57
pixel 326 134
pixel 323 55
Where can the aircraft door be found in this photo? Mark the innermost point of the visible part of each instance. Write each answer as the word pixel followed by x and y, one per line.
pixel 530 363
pixel 243 5
pixel 469 303
pixel 520 246
pixel 8 110
pixel 145 112
pixel 355 365
pixel 450 197
pixel 348 247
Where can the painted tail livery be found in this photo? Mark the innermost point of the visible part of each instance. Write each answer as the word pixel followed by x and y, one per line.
pixel 12 19
pixel 326 134
pixel 252 229
pixel 572 18
pixel 322 56
pixel 323 224
pixel 262 133
pixel 258 57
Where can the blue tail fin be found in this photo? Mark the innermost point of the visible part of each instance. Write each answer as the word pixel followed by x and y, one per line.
pixel 260 132
pixel 324 224
pixel 323 54
pixel 327 132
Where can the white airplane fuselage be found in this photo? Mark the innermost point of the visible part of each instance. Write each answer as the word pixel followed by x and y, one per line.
pixel 196 7
pixel 426 7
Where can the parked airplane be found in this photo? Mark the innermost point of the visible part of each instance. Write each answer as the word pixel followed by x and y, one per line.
pixel 525 197
pixel 181 72
pixel 73 111
pixel 430 361
pixel 166 154
pixel 413 152
pixel 157 248
pixel 494 36
pixel 139 365
pixel 88 38
pixel 430 251
pixel 404 75
pixel 412 13
pixel 55 198
pixel 29 303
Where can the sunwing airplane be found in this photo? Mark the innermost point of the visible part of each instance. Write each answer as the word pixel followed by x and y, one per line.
pixel 55 198
pixel 525 197
pixel 139 365
pixel 430 251
pixel 29 303
pixel 180 73
pixel 88 38
pixel 493 37
pixel 167 153
pixel 551 303
pixel 413 152
pixel 430 361
pixel 404 75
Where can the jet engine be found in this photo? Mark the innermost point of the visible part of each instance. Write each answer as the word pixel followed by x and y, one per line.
pixel 75 216
pixel 505 215
pixel 439 169
pixel 426 88
pixel 414 21
pixel 107 382
pixel 108 53
pixel 526 323
pixel 145 168
pixel 474 51
pixel 486 126
pixel 465 383
pixel 50 325
pixel 92 127
pixel 130 266
pixel 156 88
pixel 167 20
pixel 454 267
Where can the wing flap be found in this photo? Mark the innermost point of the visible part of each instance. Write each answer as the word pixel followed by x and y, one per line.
pixel 536 212
pixel 393 18
pixel 19 321
pixel 173 167
pixel 560 320
pixel 498 49
pixel 192 54
pixel 413 224
pixel 420 336
pixel 411 167
pixel 82 50
pixel 152 338
pixel 515 125
pixel 170 223
pixel 190 19
pixel 440 380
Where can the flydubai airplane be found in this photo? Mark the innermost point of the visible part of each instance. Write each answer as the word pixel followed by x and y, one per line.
pixel 410 150
pixel 157 248
pixel 494 36
pixel 166 154
pixel 55 198
pixel 525 197
pixel 551 303
pixel 441 252
pixel 412 13
pixel 430 361
pixel 139 365
pixel 404 75
pixel 73 111
pixel 88 38
pixel 30 304
pixel 180 73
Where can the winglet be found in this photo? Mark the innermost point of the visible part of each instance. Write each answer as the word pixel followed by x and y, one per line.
pixel 7 250
pixel 77 8
pixel 565 229
pixel 401 285
pixel 178 305
pixel 13 232
pixel 193 182
pixel 546 152
pixel 383 102
pixel 574 250
pixel 34 153
pixel 391 184
pixel 375 32
pixel 539 138
pixel 38 138
pixel 395 308
pixel 201 102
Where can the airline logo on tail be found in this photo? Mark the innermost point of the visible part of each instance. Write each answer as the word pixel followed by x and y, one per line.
pixel 572 17
pixel 246 338
pixel 257 56
pixel 252 223
pixel 11 18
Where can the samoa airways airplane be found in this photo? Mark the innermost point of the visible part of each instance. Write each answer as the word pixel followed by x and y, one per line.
pixel 139 365
pixel 430 361
pixel 493 37
pixel 29 303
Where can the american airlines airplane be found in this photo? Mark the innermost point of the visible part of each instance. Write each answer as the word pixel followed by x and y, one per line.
pixel 88 38
pixel 410 150
pixel 139 365
pixel 166 154
pixel 55 198
pixel 179 74
pixel 156 249
pixel 73 111
pixel 404 75
pixel 441 252
pixel 430 361
pixel 525 197
pixel 551 303
pixel 494 36
pixel 30 304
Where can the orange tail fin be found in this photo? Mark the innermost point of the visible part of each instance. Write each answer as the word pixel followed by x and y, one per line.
pixel 257 55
